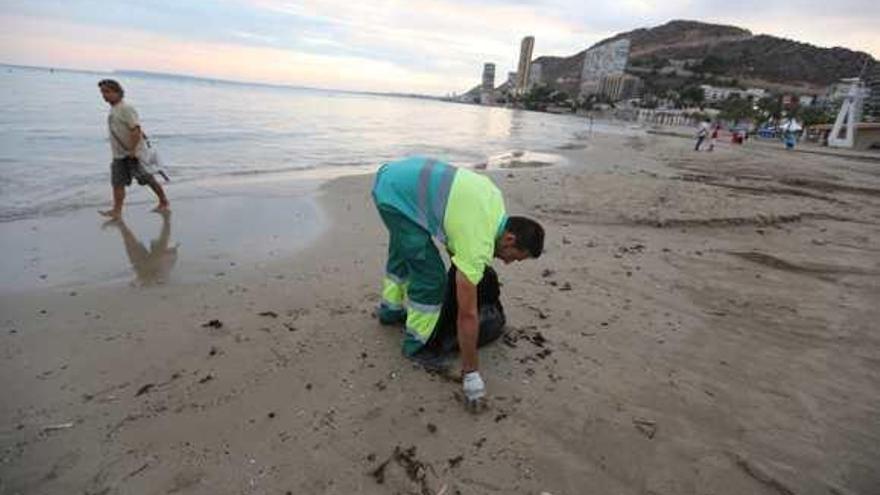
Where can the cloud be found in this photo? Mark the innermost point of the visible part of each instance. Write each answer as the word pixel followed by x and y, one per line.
pixel 417 45
pixel 111 48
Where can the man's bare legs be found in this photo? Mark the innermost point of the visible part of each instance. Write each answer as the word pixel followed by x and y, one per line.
pixel 118 199
pixel 160 193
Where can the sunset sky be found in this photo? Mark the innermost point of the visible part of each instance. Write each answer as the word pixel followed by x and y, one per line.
pixel 426 46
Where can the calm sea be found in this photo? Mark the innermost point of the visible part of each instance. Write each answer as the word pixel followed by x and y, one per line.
pixel 54 151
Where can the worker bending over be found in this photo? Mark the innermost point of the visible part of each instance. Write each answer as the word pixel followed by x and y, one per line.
pixel 419 198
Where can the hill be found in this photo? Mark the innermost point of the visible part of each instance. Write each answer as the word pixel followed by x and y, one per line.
pixel 720 51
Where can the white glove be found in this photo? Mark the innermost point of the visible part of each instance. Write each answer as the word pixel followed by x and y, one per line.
pixel 473 386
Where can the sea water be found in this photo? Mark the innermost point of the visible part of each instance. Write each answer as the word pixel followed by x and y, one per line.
pixel 243 161
pixel 55 152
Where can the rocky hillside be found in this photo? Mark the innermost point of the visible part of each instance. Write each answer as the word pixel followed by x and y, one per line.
pixel 726 51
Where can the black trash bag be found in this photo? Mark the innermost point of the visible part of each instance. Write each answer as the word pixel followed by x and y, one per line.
pixel 444 340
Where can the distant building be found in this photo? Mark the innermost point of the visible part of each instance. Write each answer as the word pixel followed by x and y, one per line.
pixel 487 88
pixel 535 76
pixel 872 101
pixel 617 87
pixel 790 101
pixel 605 60
pixel 683 64
pixel 806 100
pixel 755 93
pixel 667 116
pixel 488 77
pixel 838 91
pixel 525 61
pixel 714 94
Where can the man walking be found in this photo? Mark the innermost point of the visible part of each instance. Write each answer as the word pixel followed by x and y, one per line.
pixel 126 141
pixel 702 133
pixel 420 198
pixel 714 136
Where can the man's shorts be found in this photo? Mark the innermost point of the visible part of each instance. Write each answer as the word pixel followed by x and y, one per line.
pixel 122 170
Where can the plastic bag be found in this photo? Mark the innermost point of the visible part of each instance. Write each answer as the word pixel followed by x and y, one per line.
pixel 444 340
pixel 149 158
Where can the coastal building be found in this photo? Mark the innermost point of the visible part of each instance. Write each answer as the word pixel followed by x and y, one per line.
pixel 525 61
pixel 487 88
pixel 670 117
pixel 755 93
pixel 683 64
pixel 806 100
pixel 604 60
pixel 872 100
pixel 617 87
pixel 713 94
pixel 790 101
pixel 534 75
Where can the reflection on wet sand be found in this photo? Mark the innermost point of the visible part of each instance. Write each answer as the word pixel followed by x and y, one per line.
pixel 153 266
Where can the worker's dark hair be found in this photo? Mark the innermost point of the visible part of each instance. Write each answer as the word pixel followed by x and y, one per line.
pixel 529 234
pixel 112 85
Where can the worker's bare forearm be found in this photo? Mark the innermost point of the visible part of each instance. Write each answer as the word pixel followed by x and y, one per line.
pixel 468 334
pixel 468 322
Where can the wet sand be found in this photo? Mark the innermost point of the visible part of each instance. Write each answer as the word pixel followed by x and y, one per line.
pixel 216 229
pixel 700 323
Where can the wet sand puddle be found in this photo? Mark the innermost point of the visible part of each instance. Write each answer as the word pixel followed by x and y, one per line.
pixel 519 159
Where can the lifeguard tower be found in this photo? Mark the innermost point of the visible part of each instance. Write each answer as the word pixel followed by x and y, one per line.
pixel 843 133
pixel 848 131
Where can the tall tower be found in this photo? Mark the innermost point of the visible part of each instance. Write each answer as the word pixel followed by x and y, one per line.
pixel 525 62
pixel 487 89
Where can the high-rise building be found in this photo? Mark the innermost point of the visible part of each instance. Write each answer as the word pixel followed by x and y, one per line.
pixel 488 76
pixel 605 60
pixel 535 75
pixel 487 89
pixel 619 87
pixel 872 101
pixel 525 61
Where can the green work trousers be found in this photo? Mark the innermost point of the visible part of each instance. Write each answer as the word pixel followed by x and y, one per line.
pixel 415 278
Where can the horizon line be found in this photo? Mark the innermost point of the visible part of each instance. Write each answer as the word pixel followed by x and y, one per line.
pixel 232 82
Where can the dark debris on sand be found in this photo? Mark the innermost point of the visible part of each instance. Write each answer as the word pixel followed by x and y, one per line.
pixel 415 469
pixel 144 389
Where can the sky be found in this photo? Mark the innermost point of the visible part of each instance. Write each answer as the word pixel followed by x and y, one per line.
pixel 419 46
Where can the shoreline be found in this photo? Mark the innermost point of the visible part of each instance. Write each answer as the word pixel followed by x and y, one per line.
pixel 202 237
pixel 710 328
pixel 217 223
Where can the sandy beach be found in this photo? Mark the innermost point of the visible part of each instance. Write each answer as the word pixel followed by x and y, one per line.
pixel 701 323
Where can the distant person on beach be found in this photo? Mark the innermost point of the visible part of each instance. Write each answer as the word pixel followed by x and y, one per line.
pixel 714 136
pixel 420 198
pixel 126 140
pixel 790 130
pixel 702 132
